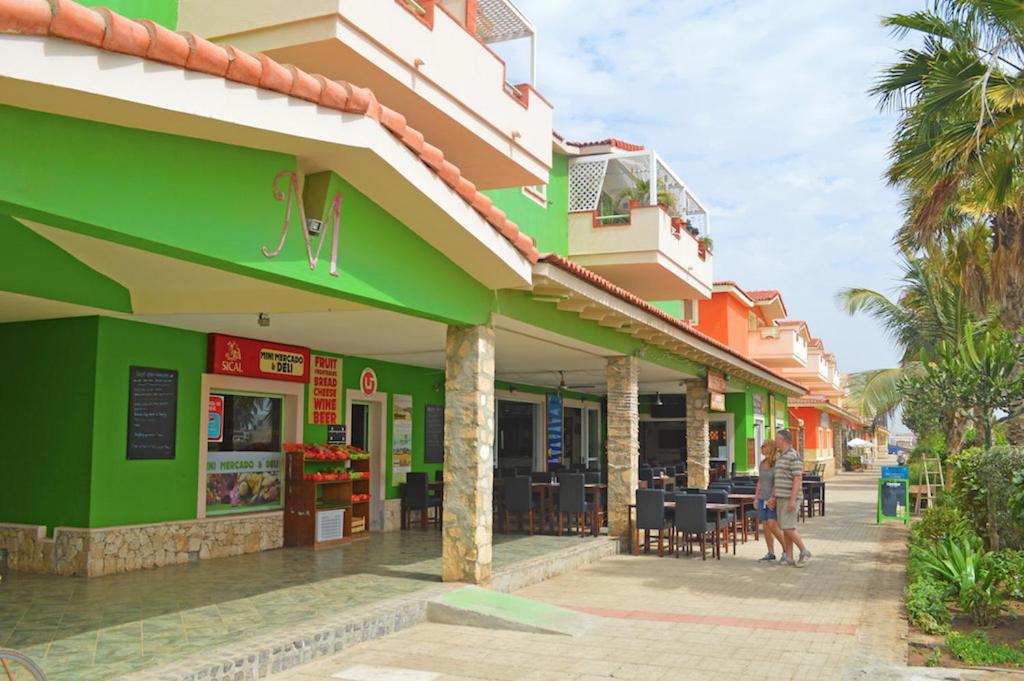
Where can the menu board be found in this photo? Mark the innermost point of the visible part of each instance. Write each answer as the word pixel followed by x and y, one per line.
pixel 433 434
pixel 152 412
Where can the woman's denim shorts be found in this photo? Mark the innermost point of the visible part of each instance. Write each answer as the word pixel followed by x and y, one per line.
pixel 764 513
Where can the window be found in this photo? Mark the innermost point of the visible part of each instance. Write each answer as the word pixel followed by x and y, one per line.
pixel 537 192
pixel 243 463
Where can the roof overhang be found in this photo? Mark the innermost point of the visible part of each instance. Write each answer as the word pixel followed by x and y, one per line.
pixel 571 293
pixel 71 79
pixel 732 289
pixel 828 408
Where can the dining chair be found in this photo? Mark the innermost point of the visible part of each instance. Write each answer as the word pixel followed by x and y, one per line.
pixel 647 475
pixel 519 500
pixel 439 475
pixel 417 498
pixel 720 496
pixel 650 515
pixel 572 501
pixel 691 521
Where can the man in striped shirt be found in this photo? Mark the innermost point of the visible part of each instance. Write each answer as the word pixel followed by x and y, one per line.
pixel 789 469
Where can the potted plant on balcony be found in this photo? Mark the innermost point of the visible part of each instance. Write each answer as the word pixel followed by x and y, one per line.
pixel 704 245
pixel 640 193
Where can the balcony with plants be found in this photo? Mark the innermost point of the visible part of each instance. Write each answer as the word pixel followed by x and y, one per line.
pixel 650 236
pixel 436 62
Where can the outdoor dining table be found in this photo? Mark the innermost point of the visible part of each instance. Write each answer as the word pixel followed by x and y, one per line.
pixel 809 485
pixel 436 487
pixel 744 500
pixel 719 509
pixel 547 492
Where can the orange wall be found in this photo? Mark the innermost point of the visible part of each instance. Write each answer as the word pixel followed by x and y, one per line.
pixel 724 318
pixel 812 421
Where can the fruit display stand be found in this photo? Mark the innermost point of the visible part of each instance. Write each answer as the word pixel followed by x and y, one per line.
pixel 327 495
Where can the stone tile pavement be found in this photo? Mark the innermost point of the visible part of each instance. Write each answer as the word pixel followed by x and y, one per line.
pixel 663 618
pixel 82 629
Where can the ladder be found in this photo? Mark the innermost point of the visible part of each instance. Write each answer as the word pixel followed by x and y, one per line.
pixel 931 478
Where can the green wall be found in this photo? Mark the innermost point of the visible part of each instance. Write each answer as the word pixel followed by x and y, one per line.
pixel 126 492
pixel 549 225
pixel 47 397
pixel 161 11
pixel 34 266
pixel 214 204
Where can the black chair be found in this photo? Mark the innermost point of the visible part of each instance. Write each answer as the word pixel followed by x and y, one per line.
pixel 650 515
pixel 439 475
pixel 694 490
pixel 572 502
pixel 540 477
pixel 522 470
pixel 519 500
pixel 417 498
pixel 691 521
pixel 720 496
pixel 813 496
pixel 647 475
pixel 592 477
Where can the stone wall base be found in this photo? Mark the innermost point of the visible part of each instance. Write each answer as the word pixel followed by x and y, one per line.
pixel 84 552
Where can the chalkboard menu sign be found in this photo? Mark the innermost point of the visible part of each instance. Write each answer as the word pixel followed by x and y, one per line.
pixel 433 434
pixel 152 412
pixel 893 500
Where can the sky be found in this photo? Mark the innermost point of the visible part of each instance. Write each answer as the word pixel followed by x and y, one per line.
pixel 761 107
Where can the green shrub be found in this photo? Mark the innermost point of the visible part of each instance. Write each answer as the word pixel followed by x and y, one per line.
pixel 983 602
pixel 976 649
pixel 926 605
pixel 957 563
pixel 983 490
pixel 942 521
pixel 1008 572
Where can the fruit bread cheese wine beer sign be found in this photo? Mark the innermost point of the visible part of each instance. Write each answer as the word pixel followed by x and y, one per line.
pixel 332 218
pixel 233 356
pixel 152 412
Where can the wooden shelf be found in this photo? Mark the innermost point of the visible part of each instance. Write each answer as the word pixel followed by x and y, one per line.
pixel 305 499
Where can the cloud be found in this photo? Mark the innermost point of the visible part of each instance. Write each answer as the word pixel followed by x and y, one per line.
pixel 761 107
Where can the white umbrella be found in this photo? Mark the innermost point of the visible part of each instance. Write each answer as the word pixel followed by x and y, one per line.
pixel 858 442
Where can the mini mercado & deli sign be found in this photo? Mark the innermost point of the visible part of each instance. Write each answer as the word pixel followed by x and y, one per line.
pixel 233 356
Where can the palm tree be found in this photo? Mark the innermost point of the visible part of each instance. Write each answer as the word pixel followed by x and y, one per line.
pixel 957 150
pixel 941 293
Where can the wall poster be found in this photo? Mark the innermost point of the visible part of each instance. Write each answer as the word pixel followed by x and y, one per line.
pixel 243 466
pixel 401 438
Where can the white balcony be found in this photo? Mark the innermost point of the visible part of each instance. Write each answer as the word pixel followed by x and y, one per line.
pixel 650 238
pixel 819 375
pixel 426 59
pixel 782 347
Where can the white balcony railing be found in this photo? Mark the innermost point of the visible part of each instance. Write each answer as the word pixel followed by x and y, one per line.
pixel 778 346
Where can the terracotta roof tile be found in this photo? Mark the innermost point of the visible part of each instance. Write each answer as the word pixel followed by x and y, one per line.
pixel 621 293
pixel 761 296
pixel 612 142
pixel 146 39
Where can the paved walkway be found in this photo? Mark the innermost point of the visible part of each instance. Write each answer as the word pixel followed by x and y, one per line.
pixel 83 629
pixel 663 618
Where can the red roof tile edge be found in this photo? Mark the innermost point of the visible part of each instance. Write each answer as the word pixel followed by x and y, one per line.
pixel 145 39
pixel 611 141
pixel 621 293
pixel 763 295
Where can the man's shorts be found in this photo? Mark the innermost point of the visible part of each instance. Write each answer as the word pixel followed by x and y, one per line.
pixel 763 512
pixel 787 519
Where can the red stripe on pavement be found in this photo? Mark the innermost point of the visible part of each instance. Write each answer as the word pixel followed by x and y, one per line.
pixel 746 622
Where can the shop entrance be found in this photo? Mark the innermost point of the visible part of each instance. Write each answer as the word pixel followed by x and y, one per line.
pixel 720 439
pixel 367 430
pixel 518 437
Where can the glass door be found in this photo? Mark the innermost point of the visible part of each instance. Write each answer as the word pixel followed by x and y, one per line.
pixel 515 442
pixel 593 439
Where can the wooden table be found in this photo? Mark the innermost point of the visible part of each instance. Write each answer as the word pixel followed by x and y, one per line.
pixel 718 509
pixel 745 500
pixel 809 485
pixel 547 491
pixel 437 487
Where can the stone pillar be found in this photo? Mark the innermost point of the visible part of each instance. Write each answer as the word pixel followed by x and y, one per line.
pixel 623 441
pixel 468 454
pixel 698 439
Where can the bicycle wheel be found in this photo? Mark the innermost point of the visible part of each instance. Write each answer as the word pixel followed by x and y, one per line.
pixel 12 662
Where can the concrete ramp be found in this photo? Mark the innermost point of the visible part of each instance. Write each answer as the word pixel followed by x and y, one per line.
pixel 472 606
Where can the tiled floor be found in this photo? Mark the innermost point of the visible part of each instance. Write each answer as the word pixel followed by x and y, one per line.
pixel 85 629
pixel 668 619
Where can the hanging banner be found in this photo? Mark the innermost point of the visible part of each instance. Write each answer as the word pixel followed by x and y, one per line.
pixel 401 438
pixel 234 356
pixel 215 419
pixel 554 439
pixel 324 390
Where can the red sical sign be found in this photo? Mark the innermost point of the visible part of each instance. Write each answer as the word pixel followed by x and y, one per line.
pixel 235 356
pixel 716 382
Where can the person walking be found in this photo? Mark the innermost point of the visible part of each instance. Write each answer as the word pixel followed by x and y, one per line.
pixel 764 492
pixel 787 494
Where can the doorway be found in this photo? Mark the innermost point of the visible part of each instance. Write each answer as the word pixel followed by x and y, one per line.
pixel 520 433
pixel 581 434
pixel 758 441
pixel 365 416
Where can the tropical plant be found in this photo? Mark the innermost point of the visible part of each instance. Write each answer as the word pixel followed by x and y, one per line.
pixel 957 152
pixel 706 243
pixel 641 191
pixel 982 488
pixel 1008 571
pixel 926 606
pixel 957 563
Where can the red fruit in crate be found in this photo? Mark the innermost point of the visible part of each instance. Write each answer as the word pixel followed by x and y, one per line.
pixel 318 476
